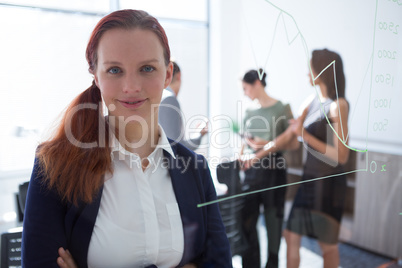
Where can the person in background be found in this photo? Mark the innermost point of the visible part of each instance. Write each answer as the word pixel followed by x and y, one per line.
pixel 265 125
pixel 318 205
pixel 115 191
pixel 171 117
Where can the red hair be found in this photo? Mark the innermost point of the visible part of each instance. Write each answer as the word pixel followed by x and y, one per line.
pixel 76 158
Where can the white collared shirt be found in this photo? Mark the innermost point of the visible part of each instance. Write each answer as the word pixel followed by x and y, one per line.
pixel 138 223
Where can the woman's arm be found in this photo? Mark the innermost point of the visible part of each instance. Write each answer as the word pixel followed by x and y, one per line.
pixel 287 140
pixel 43 232
pixel 256 143
pixel 242 149
pixel 338 151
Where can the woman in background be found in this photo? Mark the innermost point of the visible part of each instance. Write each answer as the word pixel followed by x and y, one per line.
pixel 264 126
pixel 318 205
pixel 114 191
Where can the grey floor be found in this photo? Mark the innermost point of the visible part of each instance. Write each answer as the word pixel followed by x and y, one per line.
pixel 350 256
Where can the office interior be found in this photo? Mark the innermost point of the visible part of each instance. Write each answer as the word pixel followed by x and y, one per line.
pixel 43 67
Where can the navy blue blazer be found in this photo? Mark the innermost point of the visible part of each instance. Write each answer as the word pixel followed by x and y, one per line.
pixel 50 224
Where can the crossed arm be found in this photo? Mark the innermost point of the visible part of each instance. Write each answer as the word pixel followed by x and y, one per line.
pixel 285 141
pixel 339 116
pixel 66 260
pixel 288 140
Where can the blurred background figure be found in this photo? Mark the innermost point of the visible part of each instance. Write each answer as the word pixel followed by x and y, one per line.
pixel 262 125
pixel 318 205
pixel 170 115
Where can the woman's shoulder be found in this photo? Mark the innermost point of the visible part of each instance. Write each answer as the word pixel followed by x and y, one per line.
pixel 281 105
pixel 281 108
pixel 339 104
pixel 342 102
pixel 276 105
pixel 252 107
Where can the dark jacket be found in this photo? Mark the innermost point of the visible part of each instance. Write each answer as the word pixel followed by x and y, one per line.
pixel 50 224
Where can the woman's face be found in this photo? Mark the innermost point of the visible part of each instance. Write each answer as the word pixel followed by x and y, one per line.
pixel 131 73
pixel 249 90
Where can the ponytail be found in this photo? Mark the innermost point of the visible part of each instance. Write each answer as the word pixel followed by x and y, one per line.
pixel 253 75
pixel 74 161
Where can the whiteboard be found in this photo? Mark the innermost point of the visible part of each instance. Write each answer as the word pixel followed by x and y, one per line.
pixel 280 36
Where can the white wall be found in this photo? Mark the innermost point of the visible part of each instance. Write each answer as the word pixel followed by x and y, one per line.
pixel 225 72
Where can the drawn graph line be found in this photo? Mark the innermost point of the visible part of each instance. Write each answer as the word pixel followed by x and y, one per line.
pixel 304 43
pixel 286 31
pixel 273 39
pixel 339 107
pixel 339 111
pixel 272 44
pixel 274 35
pixel 275 187
pixel 361 89
pixel 315 87
pixel 372 66
pixel 260 74
pixel 290 42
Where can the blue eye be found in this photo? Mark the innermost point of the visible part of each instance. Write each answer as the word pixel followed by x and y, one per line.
pixel 114 70
pixel 148 69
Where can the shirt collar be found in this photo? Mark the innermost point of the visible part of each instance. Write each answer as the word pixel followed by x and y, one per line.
pixel 170 90
pixel 163 143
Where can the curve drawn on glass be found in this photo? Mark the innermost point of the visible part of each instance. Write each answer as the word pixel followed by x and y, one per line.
pixel 343 139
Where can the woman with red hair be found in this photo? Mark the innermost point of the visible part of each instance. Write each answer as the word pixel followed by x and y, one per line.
pixel 114 191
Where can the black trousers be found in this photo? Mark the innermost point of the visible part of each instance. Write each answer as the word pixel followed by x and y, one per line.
pixel 260 177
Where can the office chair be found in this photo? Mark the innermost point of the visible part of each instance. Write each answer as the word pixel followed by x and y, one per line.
pixel 11 250
pixel 11 241
pixel 23 189
pixel 229 174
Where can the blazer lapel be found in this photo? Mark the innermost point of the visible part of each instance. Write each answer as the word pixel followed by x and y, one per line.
pixel 183 186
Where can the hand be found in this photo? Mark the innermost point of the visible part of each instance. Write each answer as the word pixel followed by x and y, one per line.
pixel 297 126
pixel 65 259
pixel 256 143
pixel 204 128
pixel 247 161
